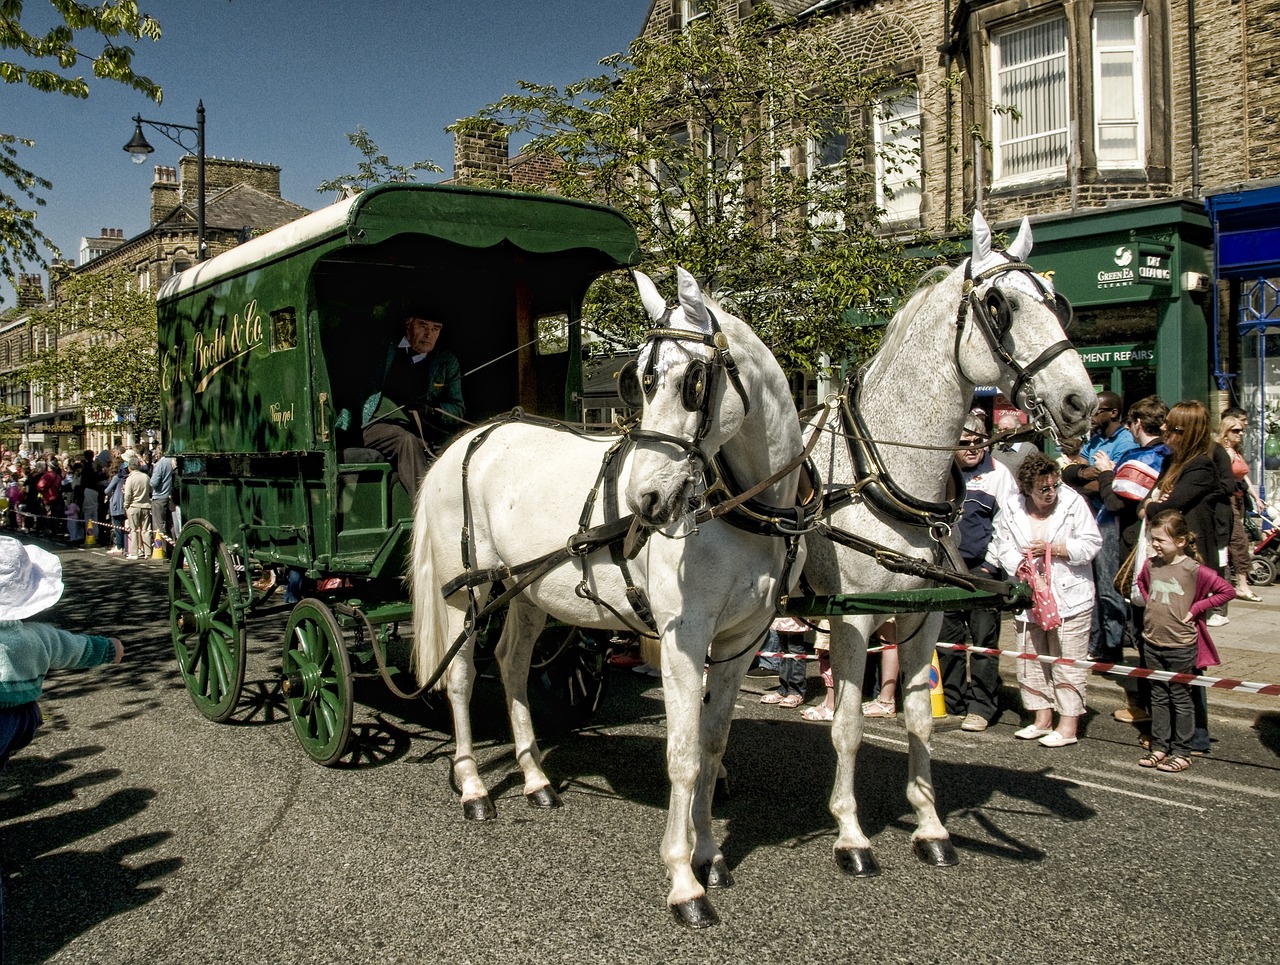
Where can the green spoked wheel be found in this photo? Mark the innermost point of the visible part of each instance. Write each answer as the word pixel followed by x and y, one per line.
pixel 316 680
pixel 206 618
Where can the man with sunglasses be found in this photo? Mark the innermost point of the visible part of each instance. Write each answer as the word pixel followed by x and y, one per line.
pixel 988 487
pixel 1113 440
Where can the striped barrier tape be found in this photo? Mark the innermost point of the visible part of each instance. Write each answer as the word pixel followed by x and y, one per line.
pixel 1120 670
pixel 1100 667
pixel 97 524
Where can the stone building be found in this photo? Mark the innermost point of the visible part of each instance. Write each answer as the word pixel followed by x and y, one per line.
pixel 242 199
pixel 1111 124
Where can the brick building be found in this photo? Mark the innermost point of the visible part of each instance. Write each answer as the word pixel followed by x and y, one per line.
pixel 242 199
pixel 1126 119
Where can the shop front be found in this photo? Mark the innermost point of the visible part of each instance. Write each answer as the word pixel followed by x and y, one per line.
pixel 1246 227
pixel 1138 279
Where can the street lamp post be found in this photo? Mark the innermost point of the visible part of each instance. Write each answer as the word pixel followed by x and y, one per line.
pixel 138 149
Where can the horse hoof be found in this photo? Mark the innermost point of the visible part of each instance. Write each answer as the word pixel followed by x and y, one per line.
pixel 544 797
pixel 938 852
pixel 695 913
pixel 479 809
pixel 857 862
pixel 721 791
pixel 716 874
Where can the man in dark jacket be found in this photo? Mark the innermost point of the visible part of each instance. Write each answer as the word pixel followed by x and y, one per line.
pixel 988 486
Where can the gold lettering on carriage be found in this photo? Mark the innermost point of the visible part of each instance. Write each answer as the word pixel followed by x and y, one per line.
pixel 209 352
pixel 281 416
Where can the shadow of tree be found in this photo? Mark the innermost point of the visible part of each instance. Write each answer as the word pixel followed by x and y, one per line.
pixel 56 892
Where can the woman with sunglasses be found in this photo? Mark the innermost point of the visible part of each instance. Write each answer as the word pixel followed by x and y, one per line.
pixel 1053 520
pixel 1231 438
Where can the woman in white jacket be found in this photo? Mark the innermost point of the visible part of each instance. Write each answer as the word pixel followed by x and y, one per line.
pixel 1047 513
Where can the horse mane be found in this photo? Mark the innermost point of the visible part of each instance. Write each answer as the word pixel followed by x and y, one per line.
pixel 898 331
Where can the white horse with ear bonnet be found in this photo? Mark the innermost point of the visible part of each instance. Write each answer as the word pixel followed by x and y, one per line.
pixel 991 321
pixel 512 492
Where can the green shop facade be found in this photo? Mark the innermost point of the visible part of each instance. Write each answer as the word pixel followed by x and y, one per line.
pixel 1139 277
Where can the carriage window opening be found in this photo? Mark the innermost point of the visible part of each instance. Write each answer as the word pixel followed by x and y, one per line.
pixel 284 329
pixel 1029 88
pixel 553 334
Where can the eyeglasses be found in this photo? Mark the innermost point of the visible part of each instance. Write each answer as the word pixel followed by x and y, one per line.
pixel 1236 430
pixel 1046 490
pixel 970 445
pixel 1172 429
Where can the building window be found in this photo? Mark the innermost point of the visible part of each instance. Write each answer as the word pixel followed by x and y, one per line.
pixel 1120 137
pixel 827 168
pixel 897 138
pixel 692 10
pixel 1032 115
pixel 670 178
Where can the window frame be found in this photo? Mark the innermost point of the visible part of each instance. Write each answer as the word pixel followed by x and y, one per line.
pixel 1141 108
pixel 999 162
pixel 882 124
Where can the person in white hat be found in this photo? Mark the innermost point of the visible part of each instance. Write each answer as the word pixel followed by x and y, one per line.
pixel 30 582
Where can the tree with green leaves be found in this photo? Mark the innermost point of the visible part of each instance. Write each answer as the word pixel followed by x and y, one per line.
pixel 48 62
pixel 103 355
pixel 376 168
pixel 741 151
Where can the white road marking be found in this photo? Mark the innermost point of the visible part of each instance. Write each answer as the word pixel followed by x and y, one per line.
pixel 1119 790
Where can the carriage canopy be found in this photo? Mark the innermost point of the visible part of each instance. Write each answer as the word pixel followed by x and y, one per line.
pixel 262 347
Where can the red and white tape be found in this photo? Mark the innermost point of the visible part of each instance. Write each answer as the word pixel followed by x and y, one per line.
pixel 1120 670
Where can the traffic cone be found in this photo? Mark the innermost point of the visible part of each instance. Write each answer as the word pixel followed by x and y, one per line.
pixel 90 533
pixel 938 701
pixel 157 546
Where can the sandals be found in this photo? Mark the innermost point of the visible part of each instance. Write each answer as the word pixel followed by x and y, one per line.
pixel 873 708
pixel 791 701
pixel 1174 765
pixel 1152 759
pixel 818 714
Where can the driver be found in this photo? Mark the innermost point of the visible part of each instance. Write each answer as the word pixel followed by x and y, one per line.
pixel 418 404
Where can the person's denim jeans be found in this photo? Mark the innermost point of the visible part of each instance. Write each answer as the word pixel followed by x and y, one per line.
pixel 1111 614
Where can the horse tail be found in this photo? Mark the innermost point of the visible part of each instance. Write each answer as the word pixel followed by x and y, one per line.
pixel 430 612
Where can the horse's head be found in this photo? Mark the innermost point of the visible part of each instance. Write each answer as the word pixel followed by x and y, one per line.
pixel 687 384
pixel 1012 334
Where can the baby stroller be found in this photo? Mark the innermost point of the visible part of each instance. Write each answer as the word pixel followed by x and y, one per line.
pixel 1264 564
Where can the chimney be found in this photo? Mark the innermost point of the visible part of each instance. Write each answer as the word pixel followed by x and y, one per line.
pixel 30 291
pixel 164 193
pixel 482 158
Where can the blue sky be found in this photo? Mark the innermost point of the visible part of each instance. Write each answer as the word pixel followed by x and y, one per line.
pixel 284 80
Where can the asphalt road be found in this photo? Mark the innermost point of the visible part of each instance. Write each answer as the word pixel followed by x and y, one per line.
pixel 139 832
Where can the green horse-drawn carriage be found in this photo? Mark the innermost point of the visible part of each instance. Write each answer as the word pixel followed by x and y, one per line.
pixel 267 349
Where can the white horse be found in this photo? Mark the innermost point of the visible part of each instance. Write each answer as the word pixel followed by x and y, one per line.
pixel 991 321
pixel 712 390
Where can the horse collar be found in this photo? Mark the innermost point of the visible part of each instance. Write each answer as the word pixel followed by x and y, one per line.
pixel 874 479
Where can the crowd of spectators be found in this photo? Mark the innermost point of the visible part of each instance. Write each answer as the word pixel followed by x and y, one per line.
pixel 122 497
pixel 1078 522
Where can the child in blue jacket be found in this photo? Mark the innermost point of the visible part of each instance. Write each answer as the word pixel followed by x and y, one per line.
pixel 31 581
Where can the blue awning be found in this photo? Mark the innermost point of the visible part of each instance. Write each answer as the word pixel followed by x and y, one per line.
pixel 1246 224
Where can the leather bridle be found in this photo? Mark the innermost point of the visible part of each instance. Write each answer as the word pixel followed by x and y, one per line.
pixel 993 317
pixel 699 382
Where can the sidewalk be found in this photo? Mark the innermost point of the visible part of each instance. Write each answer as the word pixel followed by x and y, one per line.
pixel 1250 650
